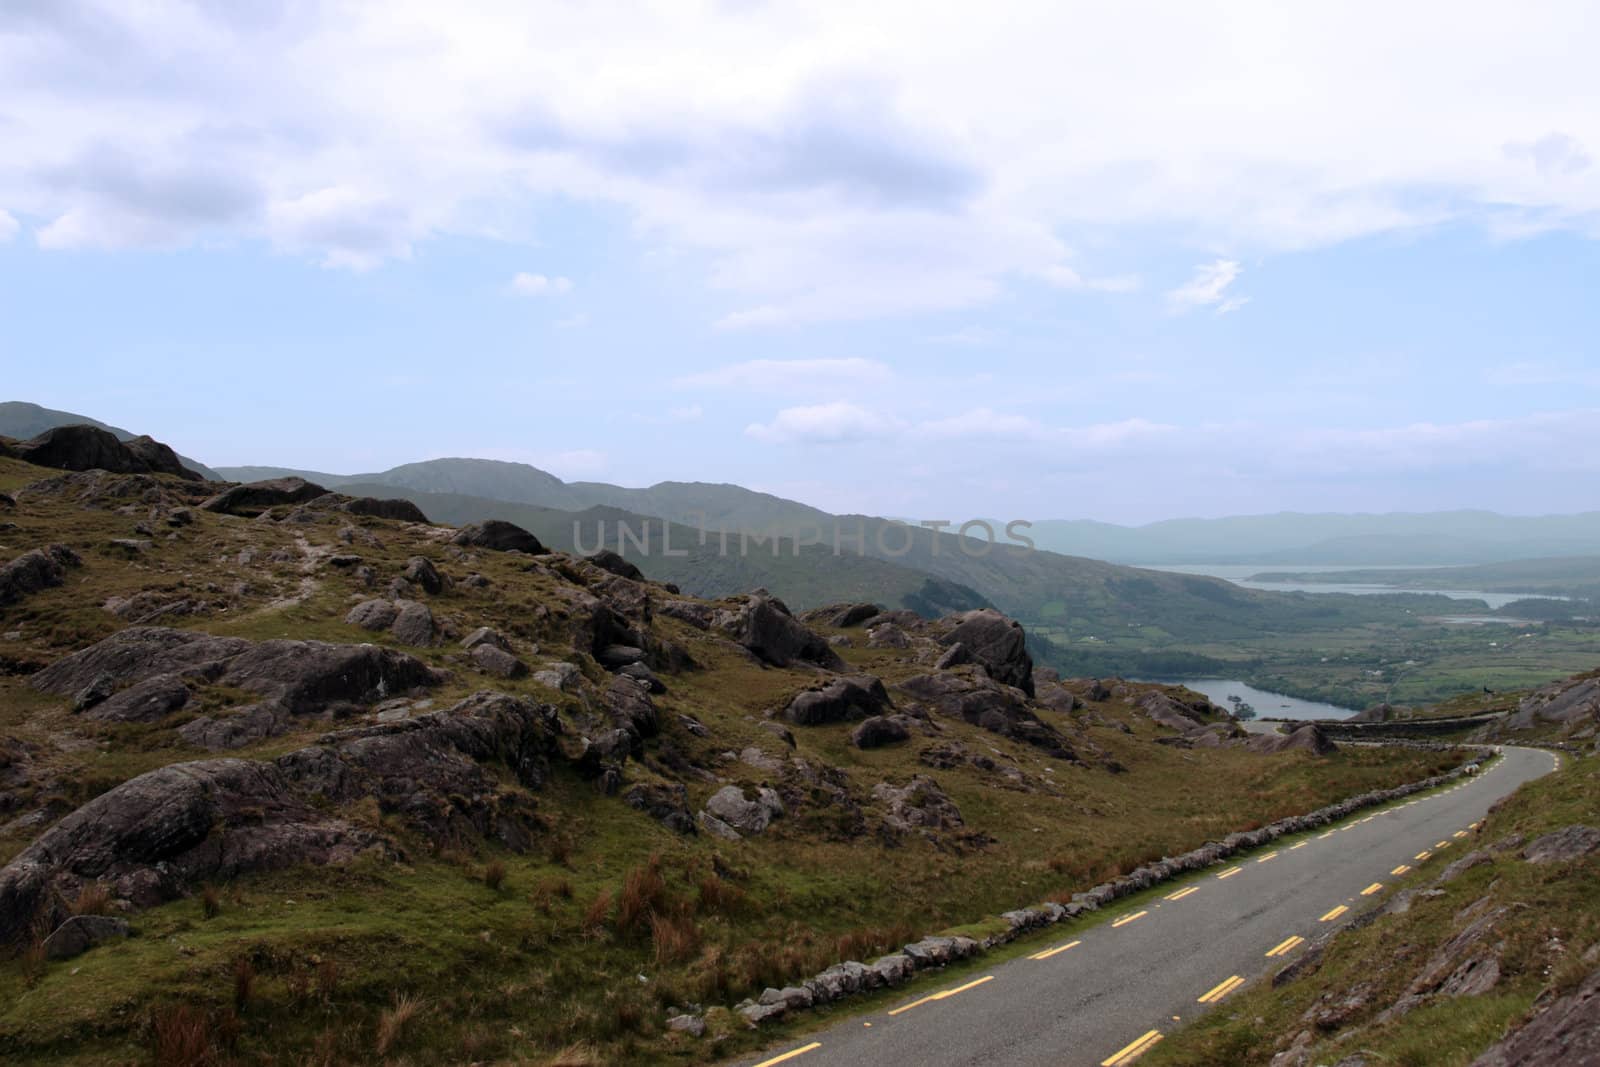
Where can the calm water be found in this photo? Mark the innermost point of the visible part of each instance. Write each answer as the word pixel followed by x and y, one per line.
pixel 1239 574
pixel 1268 705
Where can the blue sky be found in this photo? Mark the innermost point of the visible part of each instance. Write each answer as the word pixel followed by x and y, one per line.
pixel 1053 262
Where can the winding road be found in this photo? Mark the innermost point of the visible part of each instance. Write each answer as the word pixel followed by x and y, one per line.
pixel 1103 995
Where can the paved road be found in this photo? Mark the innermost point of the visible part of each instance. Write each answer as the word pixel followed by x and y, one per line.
pixel 1105 995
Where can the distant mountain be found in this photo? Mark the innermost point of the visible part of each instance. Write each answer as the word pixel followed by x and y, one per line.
pixel 805 578
pixel 1569 576
pixel 22 420
pixel 1445 537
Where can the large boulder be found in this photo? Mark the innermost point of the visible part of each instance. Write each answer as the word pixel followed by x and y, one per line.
pixel 34 571
pixel 1561 1033
pixel 996 642
pixel 303 676
pixel 1307 737
pixel 980 700
pixel 154 837
pixel 764 626
pixel 841 700
pixel 497 535
pixel 252 498
pixel 881 730
pixel 730 806
pixel 399 510
pixel 1563 846
pixel 842 616
pixel 83 448
pixel 146 701
pixel 608 560
pixel 1563 702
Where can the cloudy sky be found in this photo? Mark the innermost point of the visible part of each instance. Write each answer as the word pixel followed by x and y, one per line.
pixel 1120 261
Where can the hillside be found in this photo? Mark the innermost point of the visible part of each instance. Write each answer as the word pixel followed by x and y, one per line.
pixel 293 777
pixel 21 420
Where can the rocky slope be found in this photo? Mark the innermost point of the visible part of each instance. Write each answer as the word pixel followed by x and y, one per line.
pixel 319 742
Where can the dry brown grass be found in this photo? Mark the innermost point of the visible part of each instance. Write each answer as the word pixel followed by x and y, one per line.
pixel 494 875
pixel 244 983
pixel 644 893
pixel 578 1055
pixel 599 913
pixel 92 899
pixel 717 895
pixel 210 901
pixel 675 938
pixel 180 1036
pixel 327 979
pixel 392 1022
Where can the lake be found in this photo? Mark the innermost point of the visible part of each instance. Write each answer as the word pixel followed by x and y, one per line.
pixel 1239 574
pixel 1268 705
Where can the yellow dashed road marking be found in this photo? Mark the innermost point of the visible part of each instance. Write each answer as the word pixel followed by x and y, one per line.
pixel 1129 1053
pixel 1424 854
pixel 1126 919
pixel 1047 953
pixel 1402 869
pixel 1180 894
pixel 801 1051
pixel 1302 844
pixel 1460 833
pixel 1286 946
pixel 1230 872
pixel 1268 856
pixel 936 996
pixel 1221 989
pixel 1334 914
pixel 1371 889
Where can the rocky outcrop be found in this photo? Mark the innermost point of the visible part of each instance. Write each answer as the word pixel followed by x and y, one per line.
pixel 986 703
pixel 80 933
pixel 997 643
pixel 83 448
pixel 497 535
pixel 668 804
pixel 881 730
pixel 733 809
pixel 154 836
pixel 1563 846
pixel 141 668
pixel 841 616
pixel 35 571
pixel 1561 1033
pixel 610 561
pixel 399 510
pixel 841 700
pixel 1566 702
pixel 1304 738
pixel 492 659
pixel 918 805
pixel 764 626
pixel 252 498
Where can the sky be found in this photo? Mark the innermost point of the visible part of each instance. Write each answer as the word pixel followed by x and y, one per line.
pixel 1038 260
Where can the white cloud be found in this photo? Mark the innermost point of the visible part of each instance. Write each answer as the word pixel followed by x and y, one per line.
pixel 823 166
pixel 1537 373
pixel 791 375
pixel 1064 277
pixel 1209 288
pixel 691 413
pixel 525 284
pixel 832 423
pixel 9 226
pixel 981 422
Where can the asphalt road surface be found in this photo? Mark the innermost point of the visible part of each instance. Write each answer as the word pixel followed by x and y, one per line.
pixel 1101 997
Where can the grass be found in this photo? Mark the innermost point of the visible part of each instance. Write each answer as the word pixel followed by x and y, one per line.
pixel 1552 920
pixel 546 964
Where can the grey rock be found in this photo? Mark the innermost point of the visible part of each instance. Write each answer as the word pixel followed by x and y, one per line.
pixel 145 701
pixel 608 560
pixel 254 498
pixel 1563 846
pixel 666 803
pixel 693 1025
pixel 84 448
pixel 492 659
pixel 841 700
pixel 996 642
pixel 399 510
pixel 730 806
pixel 562 676
pixel 485 635
pixel 880 730
pixel 414 624
pixel 373 615
pixel 764 626
pixel 717 828
pixel 498 535
pixel 80 933
pixel 421 571
pixel 35 571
